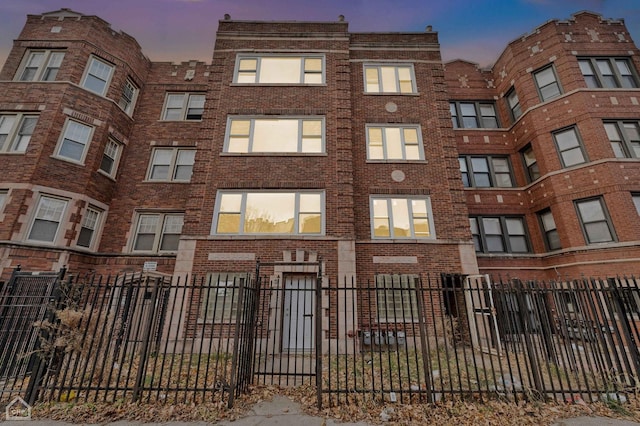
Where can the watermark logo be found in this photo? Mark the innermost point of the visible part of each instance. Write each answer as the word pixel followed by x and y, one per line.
pixel 18 409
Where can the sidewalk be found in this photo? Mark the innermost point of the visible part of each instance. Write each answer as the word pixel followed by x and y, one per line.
pixel 281 411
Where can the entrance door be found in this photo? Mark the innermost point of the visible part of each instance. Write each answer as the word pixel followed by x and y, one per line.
pixel 299 307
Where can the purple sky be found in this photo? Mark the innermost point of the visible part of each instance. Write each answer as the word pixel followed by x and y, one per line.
pixel 179 30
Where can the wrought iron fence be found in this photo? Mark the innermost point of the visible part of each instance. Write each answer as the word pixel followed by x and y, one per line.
pixel 450 337
pixel 400 338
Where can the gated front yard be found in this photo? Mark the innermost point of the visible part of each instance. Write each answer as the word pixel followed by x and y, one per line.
pixel 403 338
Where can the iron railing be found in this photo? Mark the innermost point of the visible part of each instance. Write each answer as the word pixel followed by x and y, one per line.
pixel 405 338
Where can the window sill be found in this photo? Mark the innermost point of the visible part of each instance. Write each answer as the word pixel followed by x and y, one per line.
pixel 167 181
pixel 273 154
pixel 390 94
pixel 397 161
pixel 13 152
pixel 107 175
pixel 68 160
pixel 278 85
pixel 180 121
pixel 482 129
pixel 268 237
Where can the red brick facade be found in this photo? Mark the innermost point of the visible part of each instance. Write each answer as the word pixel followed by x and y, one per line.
pixel 343 172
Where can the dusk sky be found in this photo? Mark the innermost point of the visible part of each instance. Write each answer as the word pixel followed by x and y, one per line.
pixel 179 30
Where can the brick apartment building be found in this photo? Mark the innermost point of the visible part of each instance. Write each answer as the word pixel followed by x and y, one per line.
pixel 305 146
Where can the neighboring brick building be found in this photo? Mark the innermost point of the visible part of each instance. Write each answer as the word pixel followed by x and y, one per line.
pixel 301 142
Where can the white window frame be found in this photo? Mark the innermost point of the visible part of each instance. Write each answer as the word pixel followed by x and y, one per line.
pixel 241 213
pixel 159 231
pixel 14 141
pixel 385 128
pixel 188 101
pixel 113 152
pixel 245 73
pixel 91 221
pixel 219 303
pixel 53 216
pixel 65 138
pixel 91 73
pixel 382 68
pixel 174 164
pixel 48 62
pixel 128 97
pixel 412 217
pixel 250 137
pixel 397 298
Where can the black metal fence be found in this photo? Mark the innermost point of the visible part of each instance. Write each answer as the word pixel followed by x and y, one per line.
pixel 400 338
pixel 450 337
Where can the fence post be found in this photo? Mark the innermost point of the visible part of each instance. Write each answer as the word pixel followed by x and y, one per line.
pixel 41 364
pixel 528 329
pixel 423 337
pixel 626 328
pixel 236 340
pixel 144 357
pixel 318 334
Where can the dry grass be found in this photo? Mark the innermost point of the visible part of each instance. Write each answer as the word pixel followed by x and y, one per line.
pixel 447 413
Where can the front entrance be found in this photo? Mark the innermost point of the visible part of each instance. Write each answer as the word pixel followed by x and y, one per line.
pixel 298 331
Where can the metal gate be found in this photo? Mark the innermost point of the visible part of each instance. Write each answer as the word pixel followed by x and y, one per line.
pixel 27 299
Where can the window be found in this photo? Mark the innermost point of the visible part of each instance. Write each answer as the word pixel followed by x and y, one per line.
pixel 41 65
pixel 97 77
pixel 547 83
pixel 514 104
pixel 284 213
pixel 636 201
pixel 608 73
pixel 307 69
pixel 158 232
pixel 624 137
pixel 594 218
pixel 394 142
pixel 530 163
pixel 128 97
pixel 273 135
pixel 389 79
pixel 485 172
pixel 396 297
pixel 3 198
pixel 183 106
pixel 16 131
pixel 172 164
pixel 110 157
pixel 551 237
pixel 47 219
pixel 569 147
pixel 500 234
pixel 75 139
pixel 401 218
pixel 220 298
pixel 89 226
pixel 471 115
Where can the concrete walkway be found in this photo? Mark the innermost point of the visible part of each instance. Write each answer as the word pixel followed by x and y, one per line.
pixel 281 411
